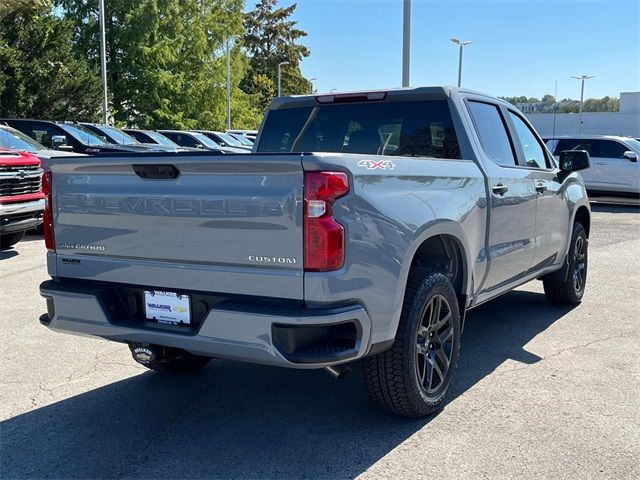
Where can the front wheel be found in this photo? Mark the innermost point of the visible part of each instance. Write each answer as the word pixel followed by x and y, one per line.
pixel 571 290
pixel 413 377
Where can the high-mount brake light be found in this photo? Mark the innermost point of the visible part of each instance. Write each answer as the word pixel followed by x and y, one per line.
pixel 47 217
pixel 323 235
pixel 351 97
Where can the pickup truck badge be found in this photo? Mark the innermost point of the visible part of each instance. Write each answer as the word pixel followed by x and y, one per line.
pixel 82 246
pixel 260 259
pixel 377 164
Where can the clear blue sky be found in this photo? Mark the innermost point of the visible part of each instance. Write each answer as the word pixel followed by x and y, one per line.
pixel 520 47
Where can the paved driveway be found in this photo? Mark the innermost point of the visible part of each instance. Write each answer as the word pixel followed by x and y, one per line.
pixel 541 392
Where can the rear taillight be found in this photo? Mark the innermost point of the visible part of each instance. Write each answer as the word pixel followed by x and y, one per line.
pixel 47 217
pixel 323 236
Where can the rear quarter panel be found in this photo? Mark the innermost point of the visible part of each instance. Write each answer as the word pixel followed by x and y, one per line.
pixel 387 215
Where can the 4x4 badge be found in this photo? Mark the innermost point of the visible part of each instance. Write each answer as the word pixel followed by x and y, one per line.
pixel 377 164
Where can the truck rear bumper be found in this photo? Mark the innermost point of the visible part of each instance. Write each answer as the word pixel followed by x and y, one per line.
pixel 294 337
pixel 17 217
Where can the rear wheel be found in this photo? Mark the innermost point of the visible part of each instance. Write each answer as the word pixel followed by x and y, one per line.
pixel 11 239
pixel 166 359
pixel 413 377
pixel 571 290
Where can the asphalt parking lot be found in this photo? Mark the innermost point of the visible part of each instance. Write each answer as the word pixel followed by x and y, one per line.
pixel 541 392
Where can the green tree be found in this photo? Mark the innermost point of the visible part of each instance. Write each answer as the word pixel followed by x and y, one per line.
pixel 39 74
pixel 548 99
pixel 166 62
pixel 271 37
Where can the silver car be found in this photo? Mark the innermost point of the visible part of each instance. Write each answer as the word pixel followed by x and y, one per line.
pixel 614 162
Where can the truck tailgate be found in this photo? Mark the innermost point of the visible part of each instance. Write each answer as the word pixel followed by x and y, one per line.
pixel 228 224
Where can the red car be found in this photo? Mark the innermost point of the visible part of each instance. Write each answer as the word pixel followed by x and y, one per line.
pixel 21 197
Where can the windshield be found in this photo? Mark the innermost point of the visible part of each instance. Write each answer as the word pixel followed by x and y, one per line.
pixel 205 140
pixel 242 139
pixel 118 135
pixel 15 140
pixel 161 139
pixel 412 129
pixel 229 140
pixel 83 135
pixel 634 143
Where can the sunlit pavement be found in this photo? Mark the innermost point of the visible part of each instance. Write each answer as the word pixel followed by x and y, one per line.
pixel 541 392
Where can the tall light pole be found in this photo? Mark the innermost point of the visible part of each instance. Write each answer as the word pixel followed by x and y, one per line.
pixel 229 81
pixel 582 78
pixel 462 44
pixel 103 64
pixel 406 42
pixel 280 76
pixel 311 82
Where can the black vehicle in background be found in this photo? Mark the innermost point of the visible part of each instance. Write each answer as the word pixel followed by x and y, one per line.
pixel 150 137
pixel 224 139
pixel 193 139
pixel 68 137
pixel 117 136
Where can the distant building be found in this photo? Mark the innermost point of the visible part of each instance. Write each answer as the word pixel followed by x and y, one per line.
pixel 626 122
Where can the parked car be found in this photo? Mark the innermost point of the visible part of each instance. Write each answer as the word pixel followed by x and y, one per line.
pixel 115 135
pixel 250 134
pixel 12 139
pixel 614 170
pixel 242 139
pixel 152 137
pixel 364 226
pixel 193 139
pixel 21 198
pixel 224 139
pixel 67 136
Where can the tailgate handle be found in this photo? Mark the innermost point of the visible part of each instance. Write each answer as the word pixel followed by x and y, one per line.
pixel 156 172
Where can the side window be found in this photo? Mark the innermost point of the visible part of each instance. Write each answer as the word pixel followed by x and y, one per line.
pixel 187 141
pixel 590 146
pixel 531 148
pixel 492 132
pixel 612 149
pixel 44 133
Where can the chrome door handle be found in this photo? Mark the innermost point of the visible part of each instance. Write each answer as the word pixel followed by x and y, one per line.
pixel 541 188
pixel 500 189
pixel 600 163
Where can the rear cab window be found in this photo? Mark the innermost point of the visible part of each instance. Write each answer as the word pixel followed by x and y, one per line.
pixel 395 128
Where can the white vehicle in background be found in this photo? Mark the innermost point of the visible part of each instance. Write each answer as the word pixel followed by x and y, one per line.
pixel 615 166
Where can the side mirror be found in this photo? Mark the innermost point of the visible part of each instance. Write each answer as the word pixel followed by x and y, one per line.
pixel 574 160
pixel 631 156
pixel 58 141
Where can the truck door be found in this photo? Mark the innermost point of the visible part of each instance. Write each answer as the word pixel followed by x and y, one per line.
pixel 512 199
pixel 612 172
pixel 552 212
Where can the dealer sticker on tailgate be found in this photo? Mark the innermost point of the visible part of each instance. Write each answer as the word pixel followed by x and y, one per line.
pixel 167 307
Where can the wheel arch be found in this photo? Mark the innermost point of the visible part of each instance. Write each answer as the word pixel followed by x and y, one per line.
pixel 444 249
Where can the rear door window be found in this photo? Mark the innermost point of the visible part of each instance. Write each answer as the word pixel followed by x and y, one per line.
pixel 413 129
pixel 492 132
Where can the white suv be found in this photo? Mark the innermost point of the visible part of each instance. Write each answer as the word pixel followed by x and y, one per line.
pixel 615 166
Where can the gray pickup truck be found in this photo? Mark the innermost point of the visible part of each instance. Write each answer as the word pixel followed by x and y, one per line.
pixel 362 226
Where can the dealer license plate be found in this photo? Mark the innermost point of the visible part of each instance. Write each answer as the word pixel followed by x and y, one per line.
pixel 167 307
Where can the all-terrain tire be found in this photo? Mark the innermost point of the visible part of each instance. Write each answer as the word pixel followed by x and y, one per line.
pixel 396 378
pixel 10 239
pixel 571 290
